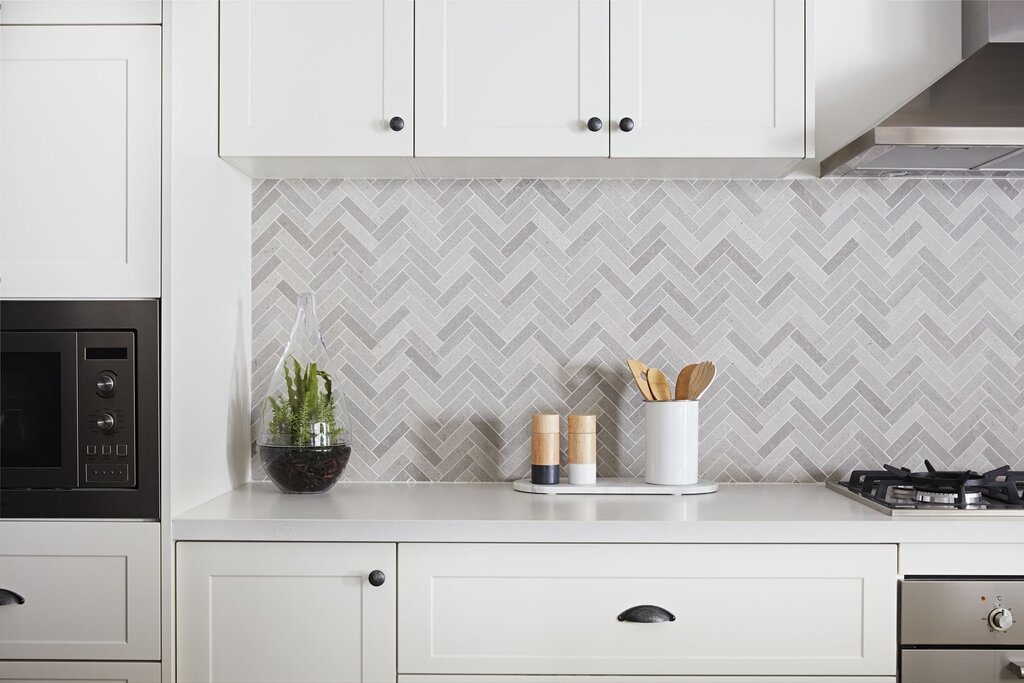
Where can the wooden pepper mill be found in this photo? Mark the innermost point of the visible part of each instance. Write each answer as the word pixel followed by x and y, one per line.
pixel 582 449
pixel 546 449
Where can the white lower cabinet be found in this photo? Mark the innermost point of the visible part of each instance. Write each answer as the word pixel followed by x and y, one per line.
pixel 292 612
pixel 536 613
pixel 79 591
pixel 80 672
pixel 711 610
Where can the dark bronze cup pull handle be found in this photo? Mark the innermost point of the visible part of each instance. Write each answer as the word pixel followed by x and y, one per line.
pixel 647 614
pixel 10 598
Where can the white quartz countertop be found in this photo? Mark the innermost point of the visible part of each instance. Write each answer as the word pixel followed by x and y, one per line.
pixel 469 512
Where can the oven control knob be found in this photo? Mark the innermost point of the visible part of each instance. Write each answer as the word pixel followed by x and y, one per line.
pixel 105 423
pixel 1000 619
pixel 105 386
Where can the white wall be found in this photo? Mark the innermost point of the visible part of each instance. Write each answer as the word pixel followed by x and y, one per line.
pixel 870 57
pixel 208 302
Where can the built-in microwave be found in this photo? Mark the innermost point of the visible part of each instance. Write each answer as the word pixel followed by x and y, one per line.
pixel 79 409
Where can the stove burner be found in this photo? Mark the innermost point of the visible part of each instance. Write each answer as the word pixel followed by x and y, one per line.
pixel 898 486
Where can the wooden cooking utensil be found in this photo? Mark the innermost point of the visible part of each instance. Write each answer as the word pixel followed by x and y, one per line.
pixel 658 383
pixel 683 382
pixel 700 379
pixel 639 371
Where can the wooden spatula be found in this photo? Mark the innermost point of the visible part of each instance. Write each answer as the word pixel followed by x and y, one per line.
pixel 639 371
pixel 700 379
pixel 683 382
pixel 658 383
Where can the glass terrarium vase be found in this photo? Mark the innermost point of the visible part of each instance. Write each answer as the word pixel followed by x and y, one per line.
pixel 305 437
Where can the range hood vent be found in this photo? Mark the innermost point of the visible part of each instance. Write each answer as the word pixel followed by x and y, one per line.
pixel 968 123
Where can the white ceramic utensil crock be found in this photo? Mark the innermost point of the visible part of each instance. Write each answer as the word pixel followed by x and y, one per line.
pixel 670 442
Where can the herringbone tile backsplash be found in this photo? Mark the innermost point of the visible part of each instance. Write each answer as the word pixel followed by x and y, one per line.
pixel 854 322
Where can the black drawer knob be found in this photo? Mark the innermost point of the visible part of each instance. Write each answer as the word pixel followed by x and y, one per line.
pixel 8 597
pixel 626 124
pixel 396 123
pixel 376 578
pixel 594 124
pixel 647 614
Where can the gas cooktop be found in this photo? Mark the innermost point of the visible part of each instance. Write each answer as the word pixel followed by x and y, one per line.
pixel 899 491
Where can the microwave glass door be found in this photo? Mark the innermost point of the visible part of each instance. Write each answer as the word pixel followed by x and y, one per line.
pixel 38 414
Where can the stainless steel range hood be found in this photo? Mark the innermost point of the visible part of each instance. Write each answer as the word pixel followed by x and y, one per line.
pixel 968 123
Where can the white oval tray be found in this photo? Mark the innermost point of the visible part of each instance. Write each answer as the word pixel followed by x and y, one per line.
pixel 613 486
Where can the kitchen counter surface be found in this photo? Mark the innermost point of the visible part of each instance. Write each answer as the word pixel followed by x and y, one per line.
pixel 471 512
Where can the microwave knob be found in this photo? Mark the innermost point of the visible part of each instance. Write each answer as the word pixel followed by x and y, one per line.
pixel 1000 619
pixel 105 386
pixel 105 423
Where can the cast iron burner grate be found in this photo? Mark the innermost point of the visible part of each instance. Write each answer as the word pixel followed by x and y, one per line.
pixel 951 489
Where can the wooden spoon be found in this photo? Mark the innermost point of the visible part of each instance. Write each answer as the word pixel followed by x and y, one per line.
pixel 639 371
pixel 700 379
pixel 658 383
pixel 683 382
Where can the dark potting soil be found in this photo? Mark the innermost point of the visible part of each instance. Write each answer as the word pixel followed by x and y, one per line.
pixel 304 470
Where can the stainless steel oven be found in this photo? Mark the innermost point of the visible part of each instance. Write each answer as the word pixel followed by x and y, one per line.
pixel 961 630
pixel 79 409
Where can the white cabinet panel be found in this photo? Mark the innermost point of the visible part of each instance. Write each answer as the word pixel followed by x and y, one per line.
pixel 315 78
pixel 80 167
pixel 285 612
pixel 511 78
pixel 91 590
pixel 80 12
pixel 708 78
pixel 811 610
pixel 80 672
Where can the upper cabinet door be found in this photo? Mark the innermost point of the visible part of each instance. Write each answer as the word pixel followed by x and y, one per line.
pixel 708 78
pixel 316 78
pixel 80 169
pixel 511 78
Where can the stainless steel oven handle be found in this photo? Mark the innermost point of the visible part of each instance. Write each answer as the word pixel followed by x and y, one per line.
pixel 1016 669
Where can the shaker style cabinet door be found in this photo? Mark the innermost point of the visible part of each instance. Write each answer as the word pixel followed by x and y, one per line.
pixel 512 78
pixel 707 78
pixel 80 164
pixel 316 78
pixel 295 612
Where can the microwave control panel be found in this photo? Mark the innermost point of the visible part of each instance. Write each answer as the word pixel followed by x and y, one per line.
pixel 106 409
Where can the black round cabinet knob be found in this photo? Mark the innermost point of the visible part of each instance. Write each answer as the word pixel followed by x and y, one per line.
pixel 376 578
pixel 626 124
pixel 594 124
pixel 397 123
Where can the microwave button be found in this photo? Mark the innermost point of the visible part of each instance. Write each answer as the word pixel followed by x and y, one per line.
pixel 90 450
pixel 106 450
pixel 122 449
pixel 105 385
pixel 105 423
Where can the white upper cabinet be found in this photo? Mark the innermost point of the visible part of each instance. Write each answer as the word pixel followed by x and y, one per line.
pixel 307 84
pixel 511 78
pixel 316 78
pixel 80 12
pixel 708 78
pixel 80 169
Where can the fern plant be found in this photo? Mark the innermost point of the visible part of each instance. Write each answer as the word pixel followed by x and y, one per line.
pixel 305 417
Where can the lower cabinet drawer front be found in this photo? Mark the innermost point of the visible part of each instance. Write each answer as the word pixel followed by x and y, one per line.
pixel 91 590
pixel 738 609
pixel 80 672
